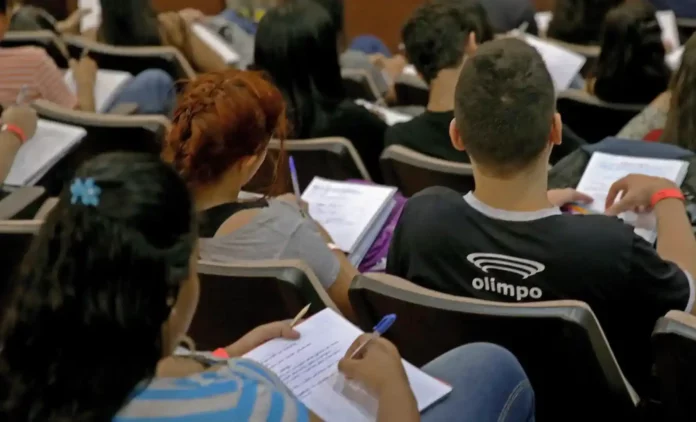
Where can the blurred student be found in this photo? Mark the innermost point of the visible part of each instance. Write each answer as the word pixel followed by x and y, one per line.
pixel 579 21
pixel 132 23
pixel 296 45
pixel 31 67
pixel 439 36
pixel 18 126
pixel 508 239
pixel 671 117
pixel 631 68
pixel 116 262
pixel 506 15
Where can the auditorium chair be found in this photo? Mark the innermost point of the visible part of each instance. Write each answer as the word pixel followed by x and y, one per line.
pixel 105 133
pixel 411 171
pixel 332 158
pixel 133 59
pixel 237 297
pixel 591 118
pixel 411 90
pixel 49 41
pixel 20 203
pixel 686 27
pixel 674 343
pixel 560 344
pixel 360 86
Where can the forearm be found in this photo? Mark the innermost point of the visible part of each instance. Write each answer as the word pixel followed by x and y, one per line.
pixel 85 96
pixel 9 145
pixel 676 240
pixel 398 404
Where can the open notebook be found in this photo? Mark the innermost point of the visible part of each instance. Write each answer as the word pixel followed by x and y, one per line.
pixel 39 154
pixel 216 43
pixel 391 117
pixel 309 367
pixel 563 64
pixel 107 85
pixel 605 169
pixel 352 213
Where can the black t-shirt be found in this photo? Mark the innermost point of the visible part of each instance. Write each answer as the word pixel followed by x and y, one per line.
pixel 428 134
pixel 363 128
pixel 463 247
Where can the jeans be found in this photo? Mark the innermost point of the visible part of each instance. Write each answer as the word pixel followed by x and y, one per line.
pixel 152 90
pixel 488 385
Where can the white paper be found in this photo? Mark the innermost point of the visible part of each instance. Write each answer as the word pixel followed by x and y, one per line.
pixel 674 58
pixel 217 44
pixel 51 142
pixel 563 64
pixel 92 20
pixel 605 169
pixel 391 117
pixel 668 24
pixel 543 20
pixel 346 210
pixel 106 86
pixel 410 69
pixel 309 367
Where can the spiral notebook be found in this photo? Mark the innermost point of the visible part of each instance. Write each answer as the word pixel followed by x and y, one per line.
pixel 352 213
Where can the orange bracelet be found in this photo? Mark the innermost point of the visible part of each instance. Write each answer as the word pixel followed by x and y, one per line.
pixel 15 130
pixel 666 194
pixel 221 353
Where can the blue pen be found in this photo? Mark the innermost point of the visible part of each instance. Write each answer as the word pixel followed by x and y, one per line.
pixel 377 332
pixel 296 185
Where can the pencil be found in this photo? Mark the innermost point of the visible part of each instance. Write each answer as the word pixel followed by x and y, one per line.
pixel 300 315
pixel 22 94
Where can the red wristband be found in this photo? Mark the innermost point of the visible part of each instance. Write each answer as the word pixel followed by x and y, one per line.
pixel 221 353
pixel 666 194
pixel 16 130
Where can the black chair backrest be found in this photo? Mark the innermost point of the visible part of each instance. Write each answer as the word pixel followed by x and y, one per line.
pixel 591 118
pixel 20 203
pixel 237 297
pixel 133 59
pixel 49 41
pixel 411 90
pixel 411 171
pixel 560 344
pixel 15 238
pixel 686 27
pixel 359 85
pixel 674 343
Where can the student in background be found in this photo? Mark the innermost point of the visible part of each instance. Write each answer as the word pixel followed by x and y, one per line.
pixel 508 239
pixel 671 117
pixel 506 15
pixel 579 21
pixel 296 45
pixel 135 23
pixel 218 141
pixel 23 117
pixel 152 90
pixel 116 262
pixel 438 37
pixel 631 68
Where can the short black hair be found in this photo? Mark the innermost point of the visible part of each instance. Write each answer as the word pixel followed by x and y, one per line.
pixel 504 105
pixel 336 11
pixel 436 34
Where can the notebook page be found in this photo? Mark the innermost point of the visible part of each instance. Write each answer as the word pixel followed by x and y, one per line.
pixel 391 117
pixel 92 20
pixel 35 158
pixel 563 64
pixel 345 209
pixel 668 24
pixel 106 86
pixel 309 366
pixel 217 44
pixel 605 169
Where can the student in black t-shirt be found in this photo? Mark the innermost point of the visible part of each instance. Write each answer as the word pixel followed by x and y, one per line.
pixel 439 35
pixel 509 241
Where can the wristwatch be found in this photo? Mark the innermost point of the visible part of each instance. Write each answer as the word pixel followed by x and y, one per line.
pixel 16 130
pixel 666 194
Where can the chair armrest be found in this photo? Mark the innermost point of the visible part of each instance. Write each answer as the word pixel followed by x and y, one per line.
pixel 46 208
pixel 124 109
pixel 19 200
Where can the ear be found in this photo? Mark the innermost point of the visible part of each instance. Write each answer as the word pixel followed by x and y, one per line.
pixel 455 136
pixel 556 137
pixel 471 44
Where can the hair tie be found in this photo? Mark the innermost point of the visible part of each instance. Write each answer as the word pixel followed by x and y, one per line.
pixel 85 191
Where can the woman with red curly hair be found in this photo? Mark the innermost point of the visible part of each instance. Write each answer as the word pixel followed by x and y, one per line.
pixel 218 141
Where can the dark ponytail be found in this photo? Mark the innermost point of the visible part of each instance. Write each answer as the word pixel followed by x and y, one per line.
pixel 84 322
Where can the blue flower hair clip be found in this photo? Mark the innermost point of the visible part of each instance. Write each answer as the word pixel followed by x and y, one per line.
pixel 85 191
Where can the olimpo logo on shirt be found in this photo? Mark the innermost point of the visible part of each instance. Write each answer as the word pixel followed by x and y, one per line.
pixel 522 267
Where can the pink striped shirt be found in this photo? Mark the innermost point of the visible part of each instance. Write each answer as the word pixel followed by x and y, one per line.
pixel 31 66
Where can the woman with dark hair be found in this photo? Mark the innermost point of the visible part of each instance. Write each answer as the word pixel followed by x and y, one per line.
pixel 297 45
pixel 579 21
pixel 680 127
pixel 109 287
pixel 132 23
pixel 631 68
